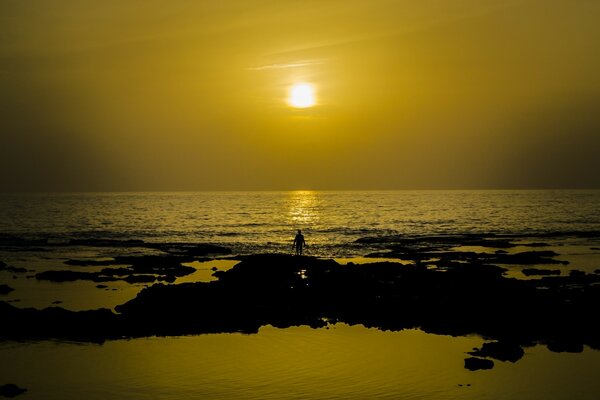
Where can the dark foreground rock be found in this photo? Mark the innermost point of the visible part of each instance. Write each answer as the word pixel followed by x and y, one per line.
pixel 459 298
pixel 11 390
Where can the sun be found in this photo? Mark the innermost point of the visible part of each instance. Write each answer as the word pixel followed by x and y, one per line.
pixel 302 95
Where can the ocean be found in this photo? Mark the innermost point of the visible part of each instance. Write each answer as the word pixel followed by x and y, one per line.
pixel 332 221
pixel 40 232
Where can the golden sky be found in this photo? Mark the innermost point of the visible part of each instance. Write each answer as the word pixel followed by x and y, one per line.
pixel 193 95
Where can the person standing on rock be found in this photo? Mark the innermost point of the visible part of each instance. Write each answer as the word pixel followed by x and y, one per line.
pixel 299 243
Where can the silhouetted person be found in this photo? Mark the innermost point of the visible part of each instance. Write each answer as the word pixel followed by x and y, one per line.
pixel 299 243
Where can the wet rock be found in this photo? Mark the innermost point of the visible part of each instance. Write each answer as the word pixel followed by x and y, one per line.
pixel 540 272
pixel 91 263
pixel 167 278
pixel 565 346
pixel 14 270
pixel 5 289
pixel 457 298
pixel 144 269
pixel 502 351
pixel 528 257
pixel 11 390
pixel 475 364
pixel 107 243
pixel 575 273
pixel 116 271
pixel 70 276
pixel 140 279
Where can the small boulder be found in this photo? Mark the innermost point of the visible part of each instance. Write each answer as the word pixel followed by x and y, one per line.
pixel 502 351
pixel 11 390
pixel 475 363
pixel 5 289
pixel 540 272
pixel 565 346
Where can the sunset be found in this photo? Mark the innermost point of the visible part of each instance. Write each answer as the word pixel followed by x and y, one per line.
pixel 259 199
pixel 154 96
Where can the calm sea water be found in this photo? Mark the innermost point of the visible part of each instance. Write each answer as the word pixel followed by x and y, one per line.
pixel 266 221
pixel 300 363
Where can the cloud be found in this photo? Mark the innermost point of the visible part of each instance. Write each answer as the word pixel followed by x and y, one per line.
pixel 298 64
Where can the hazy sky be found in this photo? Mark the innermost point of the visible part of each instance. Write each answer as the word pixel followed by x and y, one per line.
pixel 191 95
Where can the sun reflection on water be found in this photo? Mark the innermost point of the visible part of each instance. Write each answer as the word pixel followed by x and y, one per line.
pixel 303 208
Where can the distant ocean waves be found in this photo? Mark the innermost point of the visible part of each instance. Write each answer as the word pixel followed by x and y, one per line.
pixel 335 223
pixel 351 244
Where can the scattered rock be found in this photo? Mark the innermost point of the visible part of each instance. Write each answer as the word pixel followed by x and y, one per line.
pixel 101 286
pixel 5 289
pixel 475 364
pixel 469 297
pixel 11 390
pixel 565 346
pixel 140 279
pixel 502 351
pixel 540 272
pixel 14 270
pixel 575 273
pixel 91 263
pixel 57 302
pixel 70 276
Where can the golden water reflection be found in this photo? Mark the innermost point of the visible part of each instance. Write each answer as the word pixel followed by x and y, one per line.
pixel 343 362
pixel 303 208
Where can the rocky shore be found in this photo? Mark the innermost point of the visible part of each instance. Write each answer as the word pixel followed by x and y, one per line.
pixel 442 292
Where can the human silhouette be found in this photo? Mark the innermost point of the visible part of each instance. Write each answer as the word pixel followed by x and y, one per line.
pixel 299 243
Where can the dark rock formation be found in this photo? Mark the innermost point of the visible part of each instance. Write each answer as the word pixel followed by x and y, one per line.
pixel 91 263
pixel 69 276
pixel 502 351
pixel 539 272
pixel 14 270
pixel 5 289
pixel 566 345
pixel 474 363
pixel 11 390
pixel 457 298
pixel 142 269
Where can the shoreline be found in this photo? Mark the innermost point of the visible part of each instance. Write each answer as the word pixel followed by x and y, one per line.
pixel 456 293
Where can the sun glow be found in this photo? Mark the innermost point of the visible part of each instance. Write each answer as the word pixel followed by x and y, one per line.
pixel 302 95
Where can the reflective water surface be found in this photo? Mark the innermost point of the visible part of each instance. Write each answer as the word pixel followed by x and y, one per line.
pixel 298 363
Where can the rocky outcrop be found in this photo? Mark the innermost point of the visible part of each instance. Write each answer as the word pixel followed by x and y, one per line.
pixel 462 298
pixel 5 289
pixel 11 390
